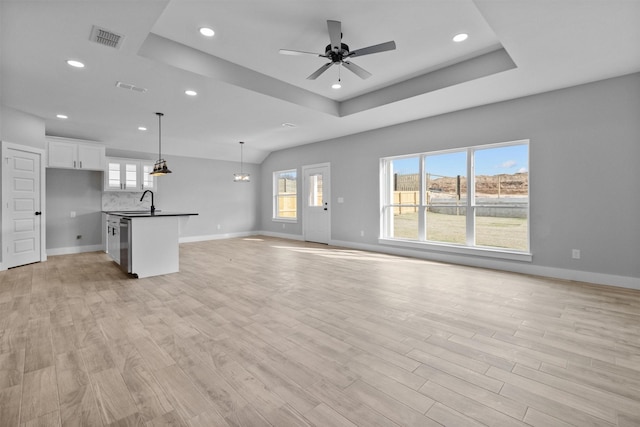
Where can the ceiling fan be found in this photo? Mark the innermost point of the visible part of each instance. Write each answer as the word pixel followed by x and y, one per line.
pixel 339 53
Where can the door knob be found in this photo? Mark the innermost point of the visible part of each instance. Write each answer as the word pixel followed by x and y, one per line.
pixel 38 213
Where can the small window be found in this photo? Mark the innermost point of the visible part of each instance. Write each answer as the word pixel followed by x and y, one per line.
pixel 285 195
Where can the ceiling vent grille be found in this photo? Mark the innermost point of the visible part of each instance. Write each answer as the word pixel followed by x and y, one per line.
pixel 106 37
pixel 131 87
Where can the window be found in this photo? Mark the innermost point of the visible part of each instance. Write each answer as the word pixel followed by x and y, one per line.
pixel 475 197
pixel 315 190
pixel 285 195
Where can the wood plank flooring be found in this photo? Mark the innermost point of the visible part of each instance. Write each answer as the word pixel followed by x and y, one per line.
pixel 270 332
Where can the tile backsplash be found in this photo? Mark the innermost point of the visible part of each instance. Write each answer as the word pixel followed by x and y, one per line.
pixel 116 201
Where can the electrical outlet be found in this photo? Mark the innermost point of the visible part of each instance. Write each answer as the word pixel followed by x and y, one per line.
pixel 283 226
pixel 361 233
pixel 575 253
pixel 72 214
pixel 219 226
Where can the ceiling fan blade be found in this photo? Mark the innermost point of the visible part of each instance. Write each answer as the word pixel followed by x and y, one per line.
pixel 298 52
pixel 357 70
pixel 382 47
pixel 335 34
pixel 320 70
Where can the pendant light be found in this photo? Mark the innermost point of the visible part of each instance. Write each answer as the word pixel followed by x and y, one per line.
pixel 160 167
pixel 241 177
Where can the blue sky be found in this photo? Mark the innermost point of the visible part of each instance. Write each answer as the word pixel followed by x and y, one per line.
pixel 491 161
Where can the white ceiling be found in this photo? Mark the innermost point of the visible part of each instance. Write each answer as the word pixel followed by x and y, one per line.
pixel 246 90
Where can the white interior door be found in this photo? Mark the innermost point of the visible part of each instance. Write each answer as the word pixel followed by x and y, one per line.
pixel 316 213
pixel 22 219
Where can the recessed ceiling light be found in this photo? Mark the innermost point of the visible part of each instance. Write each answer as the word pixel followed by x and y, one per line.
pixel 142 128
pixel 62 116
pixel 75 64
pixel 336 85
pixel 190 92
pixel 207 32
pixel 460 37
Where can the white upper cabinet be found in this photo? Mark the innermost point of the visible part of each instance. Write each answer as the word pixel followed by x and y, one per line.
pixel 128 175
pixel 74 154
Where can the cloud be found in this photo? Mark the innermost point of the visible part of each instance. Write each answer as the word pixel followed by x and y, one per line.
pixel 508 164
pixel 522 170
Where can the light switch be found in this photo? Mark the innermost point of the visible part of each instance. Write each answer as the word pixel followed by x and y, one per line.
pixel 340 199
pixel 72 214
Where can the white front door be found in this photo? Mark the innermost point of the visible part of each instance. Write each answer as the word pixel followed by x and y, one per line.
pixel 316 213
pixel 22 224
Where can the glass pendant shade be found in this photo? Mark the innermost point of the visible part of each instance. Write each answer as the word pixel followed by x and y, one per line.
pixel 242 176
pixel 160 167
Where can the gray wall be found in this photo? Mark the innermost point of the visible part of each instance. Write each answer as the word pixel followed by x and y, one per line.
pixel 584 153
pixel 207 188
pixel 78 191
pixel 21 128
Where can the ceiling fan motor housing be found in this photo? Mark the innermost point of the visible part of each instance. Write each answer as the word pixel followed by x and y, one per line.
pixel 337 56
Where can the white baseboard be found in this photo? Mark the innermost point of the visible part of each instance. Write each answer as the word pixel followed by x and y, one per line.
pixel 191 239
pixel 75 250
pixel 515 267
pixel 282 235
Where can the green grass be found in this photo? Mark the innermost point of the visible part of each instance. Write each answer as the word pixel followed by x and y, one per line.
pixel 496 232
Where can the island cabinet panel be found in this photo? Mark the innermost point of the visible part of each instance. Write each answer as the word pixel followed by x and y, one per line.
pixel 154 246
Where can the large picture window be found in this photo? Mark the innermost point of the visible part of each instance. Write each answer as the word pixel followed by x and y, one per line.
pixel 285 195
pixel 471 197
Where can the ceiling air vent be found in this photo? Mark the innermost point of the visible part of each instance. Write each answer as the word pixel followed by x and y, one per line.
pixel 131 87
pixel 106 37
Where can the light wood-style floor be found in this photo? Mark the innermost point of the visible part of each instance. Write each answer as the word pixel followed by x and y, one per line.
pixel 264 331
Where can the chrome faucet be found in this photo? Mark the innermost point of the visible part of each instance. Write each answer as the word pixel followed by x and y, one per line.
pixel 153 208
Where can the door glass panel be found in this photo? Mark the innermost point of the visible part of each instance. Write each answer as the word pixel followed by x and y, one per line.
pixel 147 180
pixel 131 176
pixel 315 190
pixel 114 175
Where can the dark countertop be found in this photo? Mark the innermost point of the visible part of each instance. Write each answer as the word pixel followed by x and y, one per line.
pixel 147 214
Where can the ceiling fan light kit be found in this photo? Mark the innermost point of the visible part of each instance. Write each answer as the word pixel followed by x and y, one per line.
pixel 339 54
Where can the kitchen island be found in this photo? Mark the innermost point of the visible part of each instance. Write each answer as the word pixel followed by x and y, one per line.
pixel 148 241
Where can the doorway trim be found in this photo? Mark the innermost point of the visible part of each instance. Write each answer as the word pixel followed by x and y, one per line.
pixel 5 198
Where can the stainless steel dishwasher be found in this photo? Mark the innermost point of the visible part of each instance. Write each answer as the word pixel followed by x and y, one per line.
pixel 125 244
